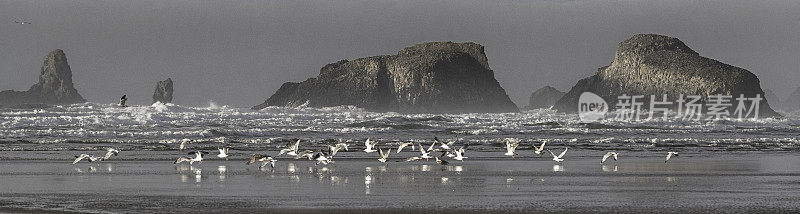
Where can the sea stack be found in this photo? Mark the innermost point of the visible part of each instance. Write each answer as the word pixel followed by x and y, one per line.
pixel 544 97
pixel 433 77
pixel 54 87
pixel 649 64
pixel 163 92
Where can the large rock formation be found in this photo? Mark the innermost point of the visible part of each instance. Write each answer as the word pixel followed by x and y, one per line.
pixel 435 77
pixel 163 91
pixel 774 101
pixel 648 64
pixel 544 97
pixel 54 86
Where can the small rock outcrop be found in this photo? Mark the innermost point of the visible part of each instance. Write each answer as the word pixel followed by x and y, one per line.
pixel 163 92
pixel 544 97
pixel 649 64
pixel 54 87
pixel 435 77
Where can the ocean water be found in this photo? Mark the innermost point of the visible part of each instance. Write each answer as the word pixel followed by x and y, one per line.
pixel 161 127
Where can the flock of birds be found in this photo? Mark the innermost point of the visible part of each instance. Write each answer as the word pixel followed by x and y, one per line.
pixel 447 149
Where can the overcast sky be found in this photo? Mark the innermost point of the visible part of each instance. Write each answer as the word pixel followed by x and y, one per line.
pixel 239 52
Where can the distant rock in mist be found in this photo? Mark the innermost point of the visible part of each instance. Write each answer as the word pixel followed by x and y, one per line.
pixel 774 101
pixel 54 87
pixel 434 77
pixel 163 92
pixel 544 97
pixel 793 101
pixel 649 64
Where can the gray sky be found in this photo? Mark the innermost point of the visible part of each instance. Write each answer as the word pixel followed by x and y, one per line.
pixel 239 52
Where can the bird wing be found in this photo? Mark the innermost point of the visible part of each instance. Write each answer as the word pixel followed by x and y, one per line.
pixel 368 144
pixel 562 153
pixel 296 145
pixel 605 157
pixel 551 153
pixel 400 148
pixel 181 159
pixel 79 158
pixel 668 156
pixel 615 156
pixel 542 146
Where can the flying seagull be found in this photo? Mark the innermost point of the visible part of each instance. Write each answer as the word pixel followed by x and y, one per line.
pixel 336 148
pixel 306 153
pixel 384 155
pixel 425 154
pixel 460 154
pixel 183 143
pixel 669 155
pixel 609 154
pixel 400 148
pixel 558 158
pixel 90 158
pixel 511 146
pixel 370 146
pixel 111 151
pixel 223 152
pixel 292 150
pixel 122 101
pixel 265 159
pixel 198 157
pixel 21 22
pixel 322 158
pixel 445 146
pixel 538 150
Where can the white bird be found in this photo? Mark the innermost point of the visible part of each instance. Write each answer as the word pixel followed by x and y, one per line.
pixel 223 152
pixel 538 150
pixel 336 148
pixel 197 158
pixel 609 154
pixel 306 153
pixel 292 150
pixel 460 154
pixel 511 146
pixel 425 154
pixel 90 158
pixel 183 143
pixel 384 155
pixel 415 158
pixel 558 158
pixel 111 151
pixel 370 146
pixel 122 101
pixel 322 158
pixel 431 147
pixel 22 22
pixel 400 148
pixel 669 155
pixel 265 159
pixel 445 146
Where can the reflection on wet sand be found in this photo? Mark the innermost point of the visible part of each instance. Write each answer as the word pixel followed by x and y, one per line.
pixel 183 169
pixel 607 168
pixel 222 172
pixel 558 168
pixel 367 182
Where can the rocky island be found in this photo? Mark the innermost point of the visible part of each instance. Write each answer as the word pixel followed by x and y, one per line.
pixel 54 87
pixel 544 97
pixel 649 64
pixel 434 77
pixel 163 91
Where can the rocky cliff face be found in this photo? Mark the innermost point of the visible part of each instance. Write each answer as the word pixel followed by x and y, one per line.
pixel 163 92
pixel 436 77
pixel 54 86
pixel 544 97
pixel 648 64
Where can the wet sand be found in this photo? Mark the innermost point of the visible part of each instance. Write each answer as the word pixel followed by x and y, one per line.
pixel 639 182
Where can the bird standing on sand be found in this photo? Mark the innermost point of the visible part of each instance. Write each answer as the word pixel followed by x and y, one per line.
pixel 609 154
pixel 669 155
pixel 265 159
